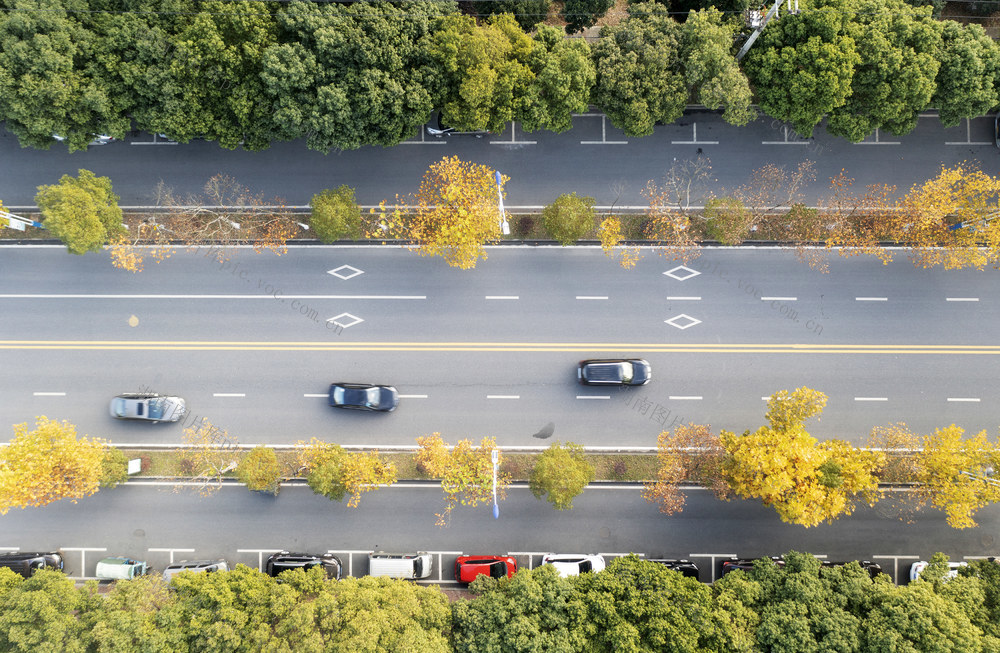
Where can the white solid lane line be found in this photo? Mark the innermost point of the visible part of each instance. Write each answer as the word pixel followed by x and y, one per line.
pixel 229 394
pixel 49 394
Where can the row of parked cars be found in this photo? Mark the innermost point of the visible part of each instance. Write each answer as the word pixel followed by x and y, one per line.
pixel 154 407
pixel 410 566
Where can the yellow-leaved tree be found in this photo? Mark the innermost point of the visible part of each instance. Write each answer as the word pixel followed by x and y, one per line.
pixel 47 464
pixel 932 212
pixel 610 234
pixel 456 213
pixel 951 472
pixel 806 481
pixel 466 472
pixel 336 473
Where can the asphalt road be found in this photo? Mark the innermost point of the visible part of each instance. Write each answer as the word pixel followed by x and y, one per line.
pixel 592 159
pixel 147 522
pixel 493 351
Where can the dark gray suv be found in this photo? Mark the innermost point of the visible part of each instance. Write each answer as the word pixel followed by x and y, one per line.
pixel 616 371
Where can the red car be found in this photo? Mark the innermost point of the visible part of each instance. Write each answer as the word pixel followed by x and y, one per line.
pixel 468 567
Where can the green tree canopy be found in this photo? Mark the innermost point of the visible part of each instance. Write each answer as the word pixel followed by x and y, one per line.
pixel 898 45
pixel 488 80
pixel 528 13
pixel 711 71
pixel 36 615
pixel 569 218
pixel 564 77
pixel 635 605
pixel 536 610
pixel 355 74
pixel 581 14
pixel 802 66
pixel 81 211
pixel 637 61
pixel 562 473
pixel 969 76
pixel 45 89
pixel 335 214
pixel 213 87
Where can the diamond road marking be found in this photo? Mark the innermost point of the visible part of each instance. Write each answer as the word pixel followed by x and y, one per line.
pixel 683 321
pixel 348 320
pixel 681 273
pixel 351 272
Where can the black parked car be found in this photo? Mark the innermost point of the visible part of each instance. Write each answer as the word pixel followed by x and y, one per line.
pixel 25 563
pixel 364 396
pixel 283 561
pixel 686 567
pixel 746 564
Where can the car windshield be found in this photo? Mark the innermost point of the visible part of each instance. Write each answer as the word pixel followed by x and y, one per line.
pixel 120 407
pixel 156 408
pixel 627 372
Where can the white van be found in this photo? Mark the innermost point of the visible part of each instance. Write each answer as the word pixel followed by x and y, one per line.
pixel 120 568
pixel 400 565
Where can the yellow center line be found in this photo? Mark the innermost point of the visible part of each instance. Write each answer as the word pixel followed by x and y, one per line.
pixel 632 348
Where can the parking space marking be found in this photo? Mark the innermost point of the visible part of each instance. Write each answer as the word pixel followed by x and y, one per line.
pixel 695 137
pixel 260 555
pixel 878 140
pixel 49 394
pixel 593 396
pixel 530 554
pixel 968 137
pixel 83 558
pixel 971 399
pixel 895 563
pixel 713 557
pixel 513 137
pixel 786 132
pixel 350 557
pixel 171 552
pixel 604 132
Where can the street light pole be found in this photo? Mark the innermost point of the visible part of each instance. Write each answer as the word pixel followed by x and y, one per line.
pixel 495 457
pixel 504 225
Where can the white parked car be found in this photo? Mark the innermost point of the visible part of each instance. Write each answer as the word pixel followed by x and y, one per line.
pixel 918 567
pixel 196 566
pixel 574 564
pixel 99 139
